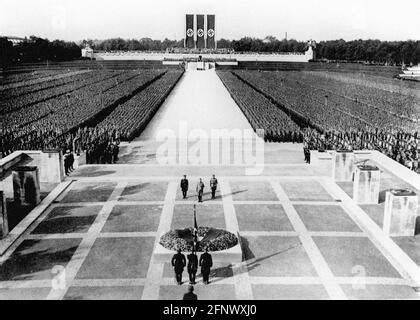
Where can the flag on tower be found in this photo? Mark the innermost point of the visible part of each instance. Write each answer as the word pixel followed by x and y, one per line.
pixel 189 31
pixel 200 31
pixel 211 35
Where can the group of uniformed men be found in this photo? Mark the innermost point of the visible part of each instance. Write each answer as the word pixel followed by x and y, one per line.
pixel 179 262
pixel 199 188
pixel 205 262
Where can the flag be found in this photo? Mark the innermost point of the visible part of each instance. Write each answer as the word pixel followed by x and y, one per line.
pixel 189 31
pixel 200 31
pixel 195 230
pixel 211 32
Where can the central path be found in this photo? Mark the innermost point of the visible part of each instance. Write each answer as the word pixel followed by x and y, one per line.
pixel 200 100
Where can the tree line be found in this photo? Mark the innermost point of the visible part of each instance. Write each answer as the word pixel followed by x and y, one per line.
pixel 35 49
pixel 389 52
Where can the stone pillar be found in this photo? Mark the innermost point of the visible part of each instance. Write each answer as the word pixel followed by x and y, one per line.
pixel 366 184
pixel 343 165
pixel 4 224
pixel 26 185
pixel 52 166
pixel 400 213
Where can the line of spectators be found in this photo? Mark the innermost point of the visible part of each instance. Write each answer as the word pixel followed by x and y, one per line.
pixel 402 147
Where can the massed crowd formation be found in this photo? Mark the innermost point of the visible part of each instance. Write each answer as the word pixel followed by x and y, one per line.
pixel 54 122
pixel 329 114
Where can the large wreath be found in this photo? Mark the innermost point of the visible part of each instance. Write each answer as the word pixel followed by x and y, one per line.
pixel 211 238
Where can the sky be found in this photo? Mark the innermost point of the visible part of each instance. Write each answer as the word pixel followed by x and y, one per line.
pixel 134 19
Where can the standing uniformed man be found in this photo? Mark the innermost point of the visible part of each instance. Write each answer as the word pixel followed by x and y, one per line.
pixel 213 186
pixel 66 162
pixel 184 186
pixel 178 262
pixel 200 190
pixel 192 266
pixel 71 160
pixel 206 262
pixel 115 152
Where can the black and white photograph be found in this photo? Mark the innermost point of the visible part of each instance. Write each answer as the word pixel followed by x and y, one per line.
pixel 213 150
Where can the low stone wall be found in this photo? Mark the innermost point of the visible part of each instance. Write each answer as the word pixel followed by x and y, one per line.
pixel 412 178
pixel 50 164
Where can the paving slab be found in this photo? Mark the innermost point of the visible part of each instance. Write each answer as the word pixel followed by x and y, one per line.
pixel 345 256
pixel 326 218
pixel 150 191
pixel 24 293
pixel 308 190
pixel 411 246
pixel 262 217
pixel 68 220
pixel 35 259
pixel 116 258
pixel 270 256
pixel 104 293
pixel 289 292
pixel 380 292
pixel 89 192
pixel 252 191
pixel 133 218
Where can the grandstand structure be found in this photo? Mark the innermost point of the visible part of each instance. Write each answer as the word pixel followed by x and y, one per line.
pixel 201 40
pixel 247 57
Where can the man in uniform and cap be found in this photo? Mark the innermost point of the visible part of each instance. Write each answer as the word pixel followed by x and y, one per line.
pixel 200 190
pixel 67 162
pixel 178 262
pixel 184 186
pixel 192 266
pixel 206 262
pixel 213 186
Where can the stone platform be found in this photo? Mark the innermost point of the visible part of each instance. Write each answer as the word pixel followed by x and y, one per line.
pixel 299 240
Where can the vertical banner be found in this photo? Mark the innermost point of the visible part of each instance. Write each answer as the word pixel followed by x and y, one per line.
pixel 189 31
pixel 211 32
pixel 200 31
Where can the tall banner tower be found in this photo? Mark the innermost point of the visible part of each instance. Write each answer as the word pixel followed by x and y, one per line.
pixel 211 32
pixel 200 31
pixel 189 31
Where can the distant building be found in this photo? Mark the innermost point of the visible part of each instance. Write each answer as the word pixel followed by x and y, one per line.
pixel 87 52
pixel 15 40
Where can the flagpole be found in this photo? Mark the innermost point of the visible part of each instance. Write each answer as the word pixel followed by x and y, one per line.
pixel 195 234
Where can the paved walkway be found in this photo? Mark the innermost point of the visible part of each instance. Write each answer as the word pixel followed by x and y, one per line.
pixel 202 102
pixel 198 105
